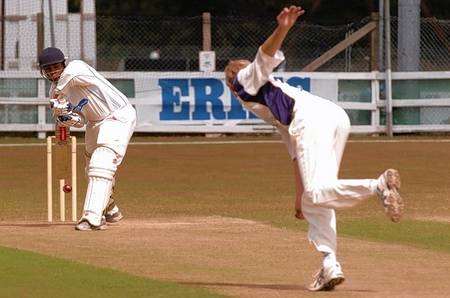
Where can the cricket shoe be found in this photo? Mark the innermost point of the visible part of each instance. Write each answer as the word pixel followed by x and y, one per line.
pixel 114 215
pixel 387 191
pixel 326 279
pixel 85 225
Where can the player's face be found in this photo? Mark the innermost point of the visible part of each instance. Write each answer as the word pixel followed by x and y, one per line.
pixel 53 72
pixel 231 70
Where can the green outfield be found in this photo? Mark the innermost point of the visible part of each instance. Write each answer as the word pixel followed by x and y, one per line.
pixel 252 181
pixel 27 274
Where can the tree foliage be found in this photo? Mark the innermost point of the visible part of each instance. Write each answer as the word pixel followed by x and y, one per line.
pixel 317 11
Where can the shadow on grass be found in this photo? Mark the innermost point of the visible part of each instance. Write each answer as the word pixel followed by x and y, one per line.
pixel 279 287
pixel 246 285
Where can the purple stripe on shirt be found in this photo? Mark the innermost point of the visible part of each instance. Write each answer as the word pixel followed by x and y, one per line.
pixel 278 102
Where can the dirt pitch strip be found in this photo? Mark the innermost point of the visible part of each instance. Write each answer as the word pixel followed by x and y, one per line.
pixel 236 257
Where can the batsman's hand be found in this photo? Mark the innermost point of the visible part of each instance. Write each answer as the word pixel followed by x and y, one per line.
pixel 71 119
pixel 288 16
pixel 59 107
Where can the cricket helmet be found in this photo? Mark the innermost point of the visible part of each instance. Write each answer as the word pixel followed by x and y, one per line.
pixel 51 56
pixel 48 57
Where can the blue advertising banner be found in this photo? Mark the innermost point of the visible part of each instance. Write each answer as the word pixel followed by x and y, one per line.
pixel 186 99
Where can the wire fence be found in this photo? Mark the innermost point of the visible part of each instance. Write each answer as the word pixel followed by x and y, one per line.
pixel 173 44
pixel 433 51
pixel 148 44
pixel 240 37
pixel 156 44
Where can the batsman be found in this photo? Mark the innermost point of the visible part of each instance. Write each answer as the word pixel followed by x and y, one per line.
pixel 80 96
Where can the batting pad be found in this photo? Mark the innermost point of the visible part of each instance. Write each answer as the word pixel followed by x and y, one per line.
pixel 97 196
pixel 101 170
pixel 103 163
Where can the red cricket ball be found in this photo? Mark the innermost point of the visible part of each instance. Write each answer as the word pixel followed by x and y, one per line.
pixel 67 188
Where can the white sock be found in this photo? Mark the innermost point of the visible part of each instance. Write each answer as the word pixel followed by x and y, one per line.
pixel 329 260
pixel 374 185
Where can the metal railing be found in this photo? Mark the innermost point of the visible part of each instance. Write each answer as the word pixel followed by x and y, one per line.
pixel 421 101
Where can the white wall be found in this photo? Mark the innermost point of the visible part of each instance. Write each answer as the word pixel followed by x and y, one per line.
pixel 71 32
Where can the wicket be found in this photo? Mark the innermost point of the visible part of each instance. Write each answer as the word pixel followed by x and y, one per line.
pixel 63 177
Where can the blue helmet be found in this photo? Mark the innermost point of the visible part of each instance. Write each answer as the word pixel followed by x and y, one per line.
pixel 51 56
pixel 48 57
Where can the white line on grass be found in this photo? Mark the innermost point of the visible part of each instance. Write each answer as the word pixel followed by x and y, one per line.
pixel 240 142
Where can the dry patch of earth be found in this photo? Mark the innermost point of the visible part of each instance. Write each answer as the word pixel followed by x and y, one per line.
pixel 236 257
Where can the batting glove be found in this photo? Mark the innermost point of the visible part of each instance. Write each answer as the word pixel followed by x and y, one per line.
pixel 59 107
pixel 71 119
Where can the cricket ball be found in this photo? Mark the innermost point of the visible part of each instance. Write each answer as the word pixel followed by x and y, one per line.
pixel 67 188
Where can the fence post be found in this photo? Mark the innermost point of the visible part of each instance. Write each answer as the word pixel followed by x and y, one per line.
pixel 380 35
pixel 408 45
pixel 374 65
pixel 2 35
pixel 40 32
pixel 388 78
pixel 81 30
pixel 206 57
pixel 52 27
pixel 41 109
pixel 206 29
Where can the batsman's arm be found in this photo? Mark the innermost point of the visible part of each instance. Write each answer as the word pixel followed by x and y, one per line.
pixel 82 81
pixel 286 19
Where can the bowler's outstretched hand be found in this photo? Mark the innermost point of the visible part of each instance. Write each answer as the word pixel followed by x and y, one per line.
pixel 288 16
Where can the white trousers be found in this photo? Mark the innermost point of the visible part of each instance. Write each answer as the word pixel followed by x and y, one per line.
pixel 106 145
pixel 320 130
pixel 114 132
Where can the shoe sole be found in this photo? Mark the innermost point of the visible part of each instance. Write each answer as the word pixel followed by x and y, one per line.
pixel 394 202
pixel 330 285
pixel 101 228
pixel 91 228
pixel 114 219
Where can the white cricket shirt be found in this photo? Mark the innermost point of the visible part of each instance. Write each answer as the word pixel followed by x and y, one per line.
pixel 250 89
pixel 80 83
